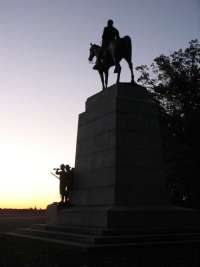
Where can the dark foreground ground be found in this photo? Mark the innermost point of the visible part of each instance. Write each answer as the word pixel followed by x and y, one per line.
pixel 12 254
pixel 15 252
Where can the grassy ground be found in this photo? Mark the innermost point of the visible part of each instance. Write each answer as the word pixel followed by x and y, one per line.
pixel 16 252
pixel 10 223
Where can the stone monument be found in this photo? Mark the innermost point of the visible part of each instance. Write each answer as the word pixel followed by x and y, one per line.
pixel 118 168
pixel 121 215
pixel 119 178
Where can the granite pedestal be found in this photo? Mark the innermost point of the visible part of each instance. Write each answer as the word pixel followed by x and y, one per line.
pixel 119 179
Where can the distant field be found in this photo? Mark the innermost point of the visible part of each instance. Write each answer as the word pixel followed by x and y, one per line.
pixel 16 252
pixel 10 220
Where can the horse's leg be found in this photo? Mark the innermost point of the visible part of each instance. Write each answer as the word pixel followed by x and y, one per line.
pixel 131 68
pixel 115 58
pixel 106 78
pixel 102 79
pixel 117 65
pixel 118 73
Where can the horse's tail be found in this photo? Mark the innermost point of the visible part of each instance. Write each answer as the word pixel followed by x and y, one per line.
pixel 127 45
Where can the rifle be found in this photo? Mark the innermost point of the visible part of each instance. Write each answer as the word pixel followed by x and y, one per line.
pixel 54 175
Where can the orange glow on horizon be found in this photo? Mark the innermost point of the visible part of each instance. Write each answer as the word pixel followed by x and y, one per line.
pixel 26 181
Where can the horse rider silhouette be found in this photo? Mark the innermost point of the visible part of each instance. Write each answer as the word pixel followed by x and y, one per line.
pixel 110 34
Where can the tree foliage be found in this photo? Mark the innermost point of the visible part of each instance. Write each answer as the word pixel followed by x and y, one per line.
pixel 174 83
pixel 175 79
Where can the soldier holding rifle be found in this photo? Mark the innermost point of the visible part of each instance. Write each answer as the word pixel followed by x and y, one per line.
pixel 65 175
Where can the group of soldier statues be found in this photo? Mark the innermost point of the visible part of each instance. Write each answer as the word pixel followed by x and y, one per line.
pixel 65 175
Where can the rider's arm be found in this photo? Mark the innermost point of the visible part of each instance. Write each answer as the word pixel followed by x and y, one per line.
pixel 104 34
pixel 117 34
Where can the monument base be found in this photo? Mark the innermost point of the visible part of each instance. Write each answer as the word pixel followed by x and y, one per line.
pixel 79 246
pixel 125 220
pixel 122 236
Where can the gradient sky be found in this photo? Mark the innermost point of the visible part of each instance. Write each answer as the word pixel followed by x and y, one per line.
pixel 45 78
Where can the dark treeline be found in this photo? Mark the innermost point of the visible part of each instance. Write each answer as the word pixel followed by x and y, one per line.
pixel 21 210
pixel 174 84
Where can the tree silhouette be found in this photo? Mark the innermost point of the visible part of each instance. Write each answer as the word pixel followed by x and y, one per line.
pixel 174 83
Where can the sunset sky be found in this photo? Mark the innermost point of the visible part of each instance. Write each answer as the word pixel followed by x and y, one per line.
pixel 45 78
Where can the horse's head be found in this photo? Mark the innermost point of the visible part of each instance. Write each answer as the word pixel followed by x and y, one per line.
pixel 93 51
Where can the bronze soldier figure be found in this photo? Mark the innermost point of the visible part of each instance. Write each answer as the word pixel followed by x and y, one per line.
pixel 69 182
pixel 113 50
pixel 62 175
pixel 65 175
pixel 110 34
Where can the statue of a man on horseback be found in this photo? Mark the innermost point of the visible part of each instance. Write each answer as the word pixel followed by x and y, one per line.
pixel 112 51
pixel 110 34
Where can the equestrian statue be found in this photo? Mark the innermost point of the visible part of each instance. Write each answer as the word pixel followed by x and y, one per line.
pixel 112 51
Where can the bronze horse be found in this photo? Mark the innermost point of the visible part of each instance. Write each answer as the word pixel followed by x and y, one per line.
pixel 118 50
